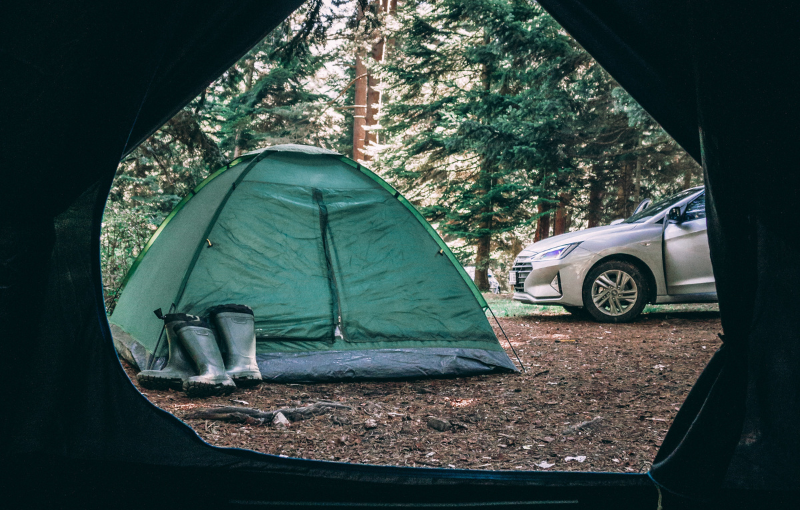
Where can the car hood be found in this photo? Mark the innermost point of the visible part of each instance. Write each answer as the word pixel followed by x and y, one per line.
pixel 574 237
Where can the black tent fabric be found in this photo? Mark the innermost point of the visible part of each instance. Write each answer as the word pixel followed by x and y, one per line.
pixel 84 82
pixel 716 73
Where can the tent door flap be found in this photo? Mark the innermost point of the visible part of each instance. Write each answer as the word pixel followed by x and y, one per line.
pixel 336 309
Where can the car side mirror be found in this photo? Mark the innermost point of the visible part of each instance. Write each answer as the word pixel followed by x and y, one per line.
pixel 675 215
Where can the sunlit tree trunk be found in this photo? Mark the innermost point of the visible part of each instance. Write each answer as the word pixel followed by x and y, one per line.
pixel 367 88
pixel 360 109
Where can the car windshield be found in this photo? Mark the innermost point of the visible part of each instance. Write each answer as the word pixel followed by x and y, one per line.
pixel 660 206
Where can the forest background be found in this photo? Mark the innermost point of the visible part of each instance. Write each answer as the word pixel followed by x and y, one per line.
pixel 485 114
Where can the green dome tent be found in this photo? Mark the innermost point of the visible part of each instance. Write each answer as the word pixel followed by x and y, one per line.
pixel 345 277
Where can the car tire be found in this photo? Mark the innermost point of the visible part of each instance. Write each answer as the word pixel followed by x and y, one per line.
pixel 615 291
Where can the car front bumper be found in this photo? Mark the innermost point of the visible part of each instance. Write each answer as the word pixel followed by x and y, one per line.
pixel 553 282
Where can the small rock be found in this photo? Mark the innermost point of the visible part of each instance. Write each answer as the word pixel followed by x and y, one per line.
pixel 340 419
pixel 370 424
pixel 592 424
pixel 280 420
pixel 439 424
pixel 407 428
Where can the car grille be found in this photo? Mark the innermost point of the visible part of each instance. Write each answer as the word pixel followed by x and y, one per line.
pixel 523 269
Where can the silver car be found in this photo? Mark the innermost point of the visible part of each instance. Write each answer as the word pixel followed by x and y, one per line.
pixel 658 255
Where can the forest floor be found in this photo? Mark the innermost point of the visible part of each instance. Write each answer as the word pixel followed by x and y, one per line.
pixel 626 380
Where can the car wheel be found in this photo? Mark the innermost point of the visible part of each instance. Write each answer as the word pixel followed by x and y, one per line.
pixel 615 291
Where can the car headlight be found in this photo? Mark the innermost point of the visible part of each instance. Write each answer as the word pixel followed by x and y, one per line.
pixel 559 252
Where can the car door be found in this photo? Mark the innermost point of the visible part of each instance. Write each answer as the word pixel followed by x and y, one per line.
pixel 687 263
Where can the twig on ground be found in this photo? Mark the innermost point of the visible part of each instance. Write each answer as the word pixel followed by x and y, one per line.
pixel 252 416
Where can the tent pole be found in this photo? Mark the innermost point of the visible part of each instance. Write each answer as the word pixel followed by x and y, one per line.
pixel 158 343
pixel 507 340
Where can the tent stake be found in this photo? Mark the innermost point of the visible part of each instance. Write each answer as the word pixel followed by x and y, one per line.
pixel 507 340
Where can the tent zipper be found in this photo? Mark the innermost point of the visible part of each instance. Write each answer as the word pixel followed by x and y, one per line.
pixel 323 227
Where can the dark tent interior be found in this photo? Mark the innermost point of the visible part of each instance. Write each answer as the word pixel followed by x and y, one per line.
pixel 77 433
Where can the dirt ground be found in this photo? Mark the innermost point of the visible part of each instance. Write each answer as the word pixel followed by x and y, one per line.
pixel 627 380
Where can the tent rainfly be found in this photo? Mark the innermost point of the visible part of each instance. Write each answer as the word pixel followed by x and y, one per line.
pixel 347 280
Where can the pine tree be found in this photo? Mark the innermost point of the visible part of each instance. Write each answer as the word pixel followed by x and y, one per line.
pixel 479 94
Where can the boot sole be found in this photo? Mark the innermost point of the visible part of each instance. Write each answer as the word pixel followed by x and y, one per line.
pixel 154 382
pixel 246 382
pixel 198 389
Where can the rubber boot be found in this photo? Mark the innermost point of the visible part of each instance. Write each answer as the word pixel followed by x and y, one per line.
pixel 178 367
pixel 201 345
pixel 236 328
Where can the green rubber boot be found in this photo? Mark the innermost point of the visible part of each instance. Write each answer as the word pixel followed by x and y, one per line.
pixel 200 343
pixel 236 328
pixel 178 367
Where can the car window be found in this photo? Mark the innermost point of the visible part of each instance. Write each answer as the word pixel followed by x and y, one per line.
pixel 696 209
pixel 660 206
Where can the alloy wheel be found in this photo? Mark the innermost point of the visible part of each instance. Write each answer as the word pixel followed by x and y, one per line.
pixel 614 292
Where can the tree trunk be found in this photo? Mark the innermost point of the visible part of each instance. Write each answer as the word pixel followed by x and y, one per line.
pixel 482 258
pixel 542 223
pixel 484 254
pixel 360 110
pixel 637 181
pixel 367 94
pixel 594 212
pixel 238 148
pixel 687 178
pixel 561 222
pixel 379 49
pixel 623 190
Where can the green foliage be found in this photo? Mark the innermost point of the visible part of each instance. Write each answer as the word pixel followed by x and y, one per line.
pixel 492 118
pixel 493 109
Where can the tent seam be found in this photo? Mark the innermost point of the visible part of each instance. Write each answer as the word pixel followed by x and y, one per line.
pixel 211 225
pixel 192 193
